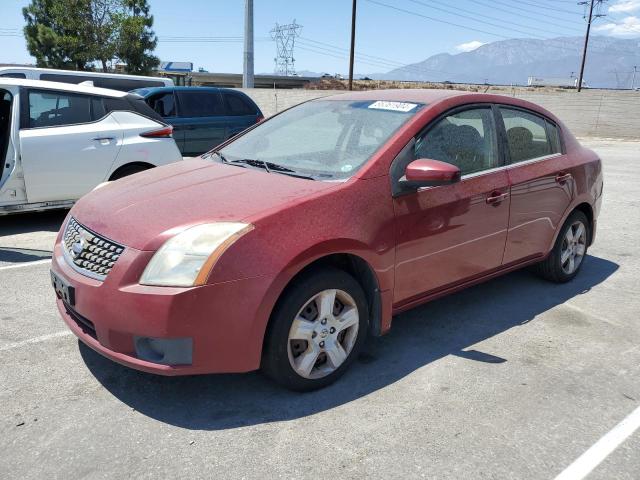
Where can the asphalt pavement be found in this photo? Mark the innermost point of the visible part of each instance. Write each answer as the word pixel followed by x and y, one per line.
pixel 516 378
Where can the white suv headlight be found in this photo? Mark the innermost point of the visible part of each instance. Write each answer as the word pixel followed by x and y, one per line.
pixel 186 259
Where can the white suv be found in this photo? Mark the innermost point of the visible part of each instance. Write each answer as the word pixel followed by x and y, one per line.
pixel 59 141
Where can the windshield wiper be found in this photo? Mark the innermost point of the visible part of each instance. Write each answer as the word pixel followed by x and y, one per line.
pixel 268 166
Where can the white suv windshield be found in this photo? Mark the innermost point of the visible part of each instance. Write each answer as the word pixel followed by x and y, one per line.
pixel 328 139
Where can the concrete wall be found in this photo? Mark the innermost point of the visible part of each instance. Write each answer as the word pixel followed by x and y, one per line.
pixel 590 113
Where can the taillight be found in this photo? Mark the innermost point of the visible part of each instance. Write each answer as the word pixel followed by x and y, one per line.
pixel 164 132
pixel 260 118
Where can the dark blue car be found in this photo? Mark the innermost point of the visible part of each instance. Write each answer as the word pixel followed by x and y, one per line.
pixel 202 117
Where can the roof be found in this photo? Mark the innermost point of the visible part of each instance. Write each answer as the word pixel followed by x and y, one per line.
pixel 146 91
pixel 84 73
pixel 67 87
pixel 418 95
pixel 433 96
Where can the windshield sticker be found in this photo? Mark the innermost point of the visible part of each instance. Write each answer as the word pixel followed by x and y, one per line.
pixel 393 106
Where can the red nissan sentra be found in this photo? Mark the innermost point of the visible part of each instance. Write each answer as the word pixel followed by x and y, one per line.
pixel 286 246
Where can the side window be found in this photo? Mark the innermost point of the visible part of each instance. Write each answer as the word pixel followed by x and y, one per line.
pixel 466 139
pixel 236 105
pixel 164 104
pixel 526 135
pixel 52 109
pixel 14 75
pixel 554 138
pixel 98 109
pixel 124 84
pixel 64 78
pixel 199 104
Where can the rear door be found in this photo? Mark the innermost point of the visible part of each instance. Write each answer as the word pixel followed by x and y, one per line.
pixel 240 112
pixel 201 120
pixel 67 144
pixel 542 187
pixel 451 233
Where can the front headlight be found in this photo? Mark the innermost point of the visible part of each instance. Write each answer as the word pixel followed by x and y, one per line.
pixel 186 259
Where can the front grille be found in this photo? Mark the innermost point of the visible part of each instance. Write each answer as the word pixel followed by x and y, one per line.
pixel 85 324
pixel 88 252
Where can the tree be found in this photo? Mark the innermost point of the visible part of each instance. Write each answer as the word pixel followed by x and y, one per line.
pixel 54 35
pixel 137 38
pixel 73 34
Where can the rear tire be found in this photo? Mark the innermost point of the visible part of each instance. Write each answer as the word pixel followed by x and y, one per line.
pixel 569 251
pixel 128 170
pixel 317 329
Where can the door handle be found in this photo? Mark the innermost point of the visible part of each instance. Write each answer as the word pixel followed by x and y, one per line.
pixel 563 177
pixel 495 198
pixel 101 139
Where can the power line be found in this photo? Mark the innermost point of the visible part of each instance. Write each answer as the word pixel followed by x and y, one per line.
pixel 555 9
pixel 475 14
pixel 466 27
pixel 332 50
pixel 520 10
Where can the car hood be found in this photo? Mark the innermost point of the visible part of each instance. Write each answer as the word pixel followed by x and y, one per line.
pixel 143 210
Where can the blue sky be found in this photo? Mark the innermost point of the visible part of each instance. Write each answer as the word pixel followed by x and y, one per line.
pixel 389 32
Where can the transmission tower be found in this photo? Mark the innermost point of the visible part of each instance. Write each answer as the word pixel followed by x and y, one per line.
pixel 285 38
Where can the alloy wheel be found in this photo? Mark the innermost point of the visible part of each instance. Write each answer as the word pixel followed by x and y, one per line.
pixel 574 246
pixel 323 334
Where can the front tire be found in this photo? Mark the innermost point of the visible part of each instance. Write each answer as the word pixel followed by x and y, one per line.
pixel 128 170
pixel 317 329
pixel 567 256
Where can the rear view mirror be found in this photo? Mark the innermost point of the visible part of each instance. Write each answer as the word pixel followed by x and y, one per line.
pixel 430 173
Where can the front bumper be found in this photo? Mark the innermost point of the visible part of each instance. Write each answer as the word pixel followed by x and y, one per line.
pixel 225 321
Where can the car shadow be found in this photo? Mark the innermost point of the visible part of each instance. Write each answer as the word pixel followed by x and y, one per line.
pixel 21 255
pixel 447 326
pixel 49 221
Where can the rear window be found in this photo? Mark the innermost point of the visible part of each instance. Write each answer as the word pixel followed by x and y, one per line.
pixel 199 104
pixel 237 105
pixel 526 134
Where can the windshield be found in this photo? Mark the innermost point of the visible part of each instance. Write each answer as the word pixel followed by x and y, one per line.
pixel 322 139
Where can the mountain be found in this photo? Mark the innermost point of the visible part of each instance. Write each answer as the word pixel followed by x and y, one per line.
pixel 610 62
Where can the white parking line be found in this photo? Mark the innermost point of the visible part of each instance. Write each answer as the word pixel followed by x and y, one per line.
pixel 43 338
pixel 26 264
pixel 590 459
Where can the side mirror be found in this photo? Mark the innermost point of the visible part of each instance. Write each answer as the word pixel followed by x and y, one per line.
pixel 425 172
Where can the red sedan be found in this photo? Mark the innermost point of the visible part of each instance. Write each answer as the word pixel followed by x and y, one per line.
pixel 285 247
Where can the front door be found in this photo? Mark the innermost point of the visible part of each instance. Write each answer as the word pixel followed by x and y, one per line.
pixel 64 152
pixel 451 233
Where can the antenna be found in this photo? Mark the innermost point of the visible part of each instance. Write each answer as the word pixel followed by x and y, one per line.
pixel 285 38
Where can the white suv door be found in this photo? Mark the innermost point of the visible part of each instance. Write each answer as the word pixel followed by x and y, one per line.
pixel 67 144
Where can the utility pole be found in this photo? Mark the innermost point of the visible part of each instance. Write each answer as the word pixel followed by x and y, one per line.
pixel 247 68
pixel 633 79
pixel 591 4
pixel 353 43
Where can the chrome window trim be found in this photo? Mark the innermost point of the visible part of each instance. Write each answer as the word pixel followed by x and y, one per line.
pixel 497 169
